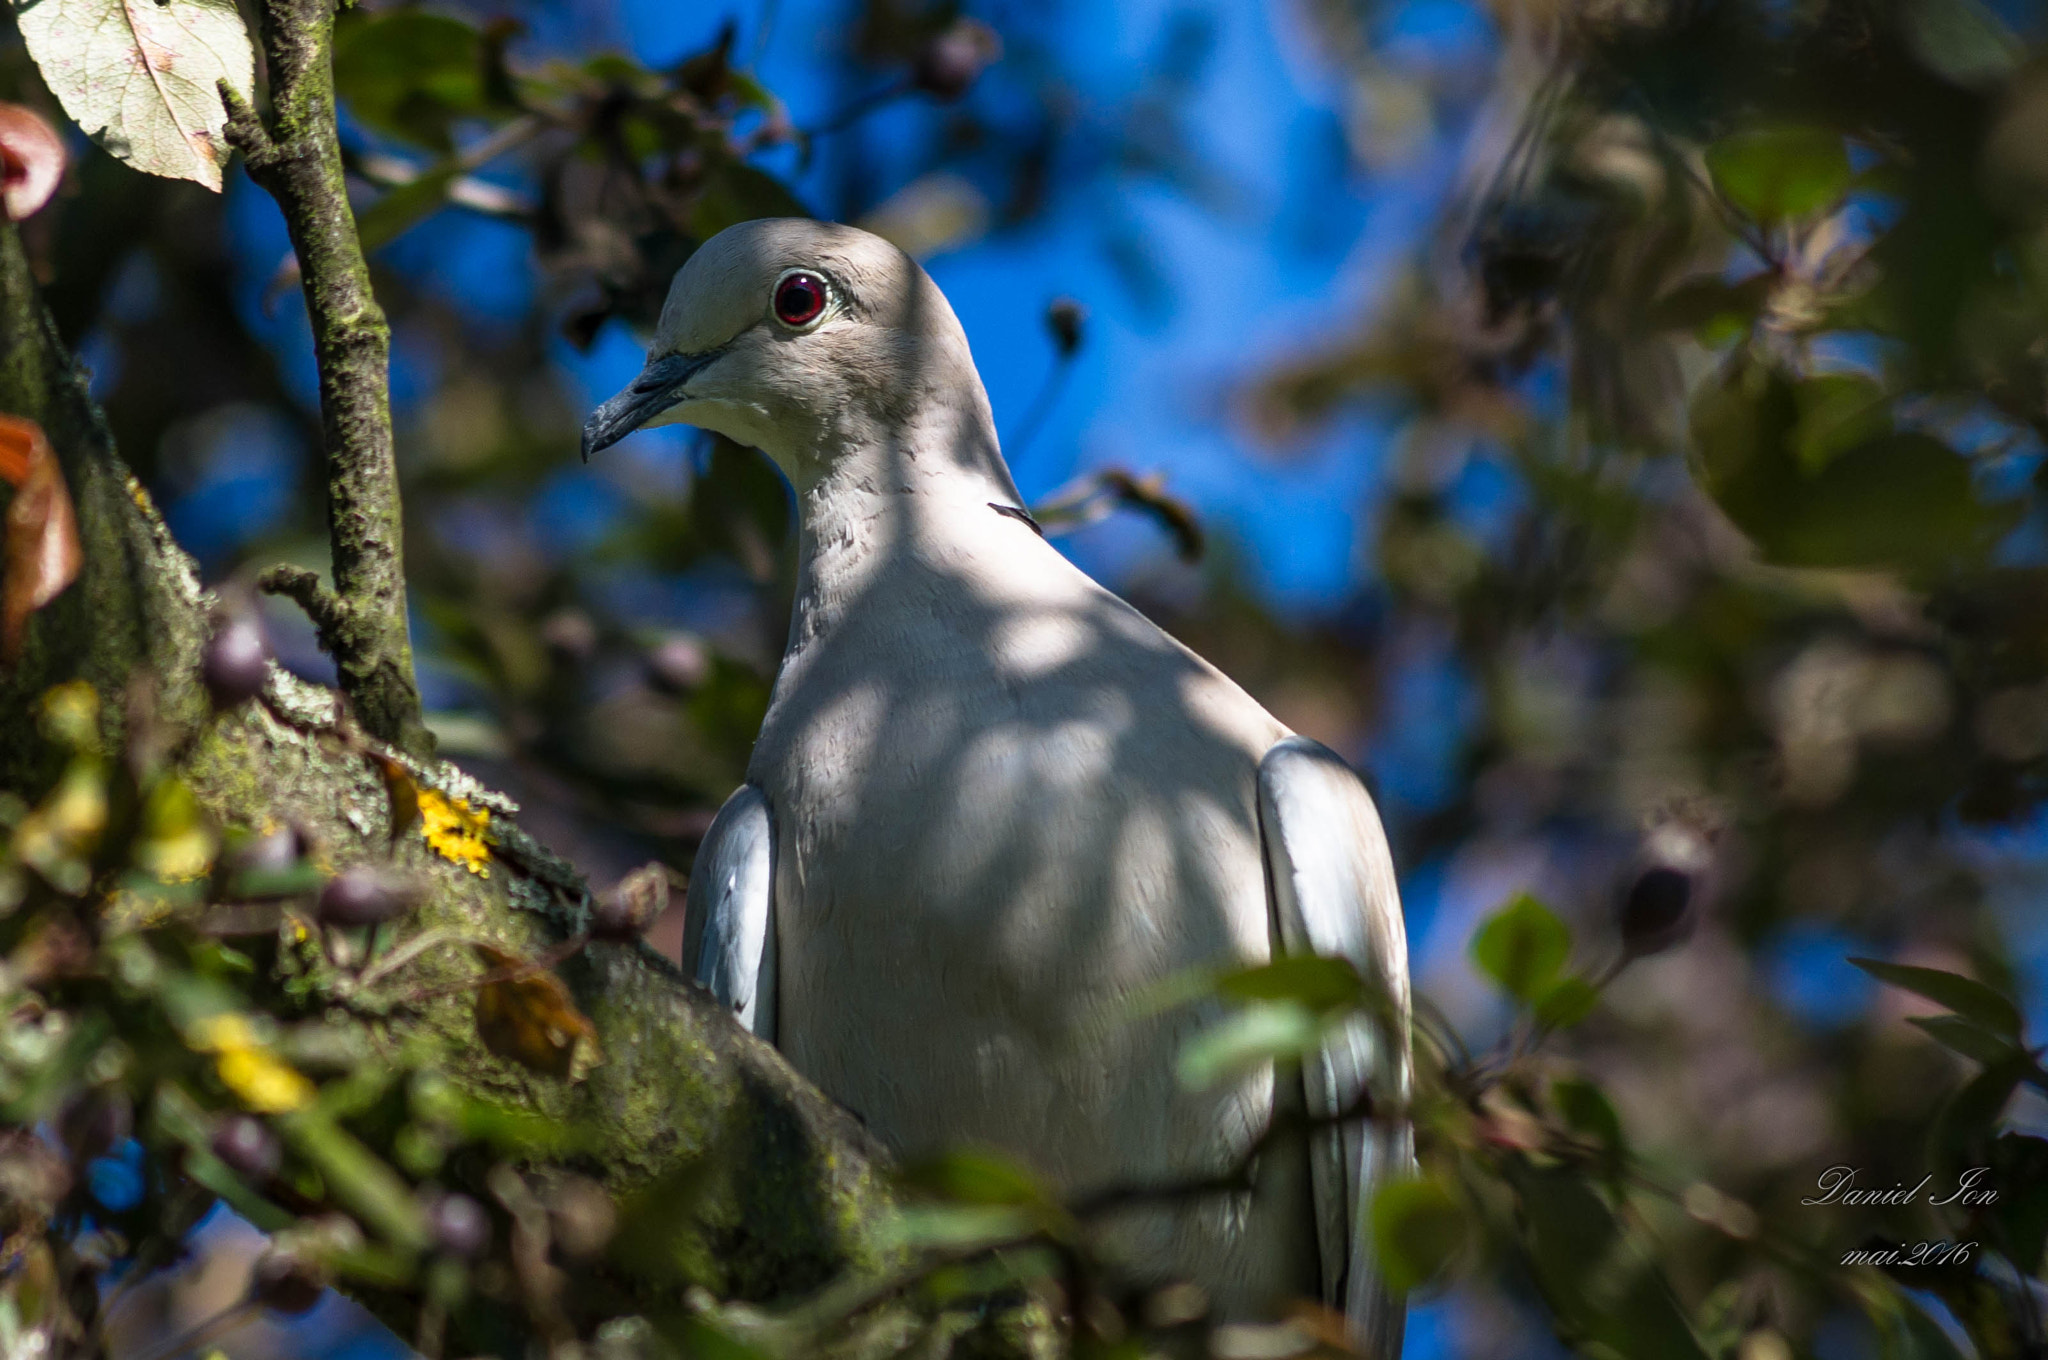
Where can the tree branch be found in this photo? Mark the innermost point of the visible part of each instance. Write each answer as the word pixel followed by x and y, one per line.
pixel 296 157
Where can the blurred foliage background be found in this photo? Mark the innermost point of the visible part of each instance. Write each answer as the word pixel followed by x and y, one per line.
pixel 1615 426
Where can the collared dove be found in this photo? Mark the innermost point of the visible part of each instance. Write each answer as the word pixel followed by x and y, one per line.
pixel 992 805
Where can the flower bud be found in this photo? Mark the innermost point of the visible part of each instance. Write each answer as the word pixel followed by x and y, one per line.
pixel 247 1147
pixel 1064 317
pixel 1656 912
pixel 949 64
pixel 458 1225
pixel 367 895
pixel 678 664
pixel 627 911
pixel 582 1216
pixel 569 633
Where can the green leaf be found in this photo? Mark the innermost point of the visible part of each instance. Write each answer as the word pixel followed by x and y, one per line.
pixel 1910 1334
pixel 1965 1037
pixel 1258 1034
pixel 409 73
pixel 706 1340
pixel 141 76
pixel 956 1227
pixel 1566 1002
pixel 1784 172
pixel 1963 40
pixel 736 192
pixel 1588 1113
pixel 1963 1131
pixel 259 884
pixel 997 1273
pixel 1316 981
pixel 1713 305
pixel 1837 411
pixel 1967 997
pixel 1599 1279
pixel 405 206
pixel 176 1116
pixel 1522 947
pixel 1904 501
pixel 2020 1161
pixel 1419 1227
pixel 977 1177
pixel 357 1177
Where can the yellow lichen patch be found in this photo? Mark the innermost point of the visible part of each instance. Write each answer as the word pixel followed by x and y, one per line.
pixel 456 831
pixel 263 1081
pixel 140 495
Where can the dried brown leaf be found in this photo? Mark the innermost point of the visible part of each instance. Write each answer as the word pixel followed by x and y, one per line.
pixel 529 1018
pixel 41 551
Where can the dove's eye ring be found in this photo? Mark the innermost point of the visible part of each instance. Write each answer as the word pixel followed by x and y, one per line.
pixel 800 298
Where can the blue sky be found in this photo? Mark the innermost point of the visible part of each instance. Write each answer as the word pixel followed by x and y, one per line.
pixel 1298 251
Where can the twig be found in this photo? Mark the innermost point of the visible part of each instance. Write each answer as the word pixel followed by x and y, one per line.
pixel 322 606
pixel 1041 406
pixel 1238 1178
pixel 234 1315
pixel 517 972
pixel 392 172
pixel 296 156
pixel 858 109
pixel 406 953
pixel 764 28
pixel 1093 498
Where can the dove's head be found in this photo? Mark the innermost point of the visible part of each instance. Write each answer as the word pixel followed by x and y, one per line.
pixel 812 342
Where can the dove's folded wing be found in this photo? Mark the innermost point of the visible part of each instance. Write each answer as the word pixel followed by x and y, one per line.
pixel 1334 893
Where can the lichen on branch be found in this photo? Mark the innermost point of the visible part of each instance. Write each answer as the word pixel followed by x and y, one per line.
pixel 296 156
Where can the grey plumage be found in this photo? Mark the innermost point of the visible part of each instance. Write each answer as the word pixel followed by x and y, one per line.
pixel 991 804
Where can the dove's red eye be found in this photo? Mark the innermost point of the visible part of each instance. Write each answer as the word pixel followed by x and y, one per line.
pixel 799 298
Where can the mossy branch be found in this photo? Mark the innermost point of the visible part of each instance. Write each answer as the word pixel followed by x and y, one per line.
pixel 296 157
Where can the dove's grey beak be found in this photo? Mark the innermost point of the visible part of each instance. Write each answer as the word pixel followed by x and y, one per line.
pixel 659 386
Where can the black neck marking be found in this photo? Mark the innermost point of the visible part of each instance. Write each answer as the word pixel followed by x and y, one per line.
pixel 1017 512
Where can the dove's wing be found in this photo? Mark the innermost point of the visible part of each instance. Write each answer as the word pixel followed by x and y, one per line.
pixel 731 925
pixel 1334 893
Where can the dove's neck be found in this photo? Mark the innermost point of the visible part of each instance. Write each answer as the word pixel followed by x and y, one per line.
pixel 916 496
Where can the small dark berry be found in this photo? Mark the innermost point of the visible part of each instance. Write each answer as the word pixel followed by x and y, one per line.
pixel 236 661
pixel 1657 913
pixel 950 63
pixel 93 1122
pixel 628 910
pixel 283 1283
pixel 1064 317
pixel 678 664
pixel 247 1147
pixel 459 1225
pixel 366 895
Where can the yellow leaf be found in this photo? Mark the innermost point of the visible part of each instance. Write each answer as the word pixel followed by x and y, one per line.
pixel 219 1033
pixel 266 1084
pixel 178 844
